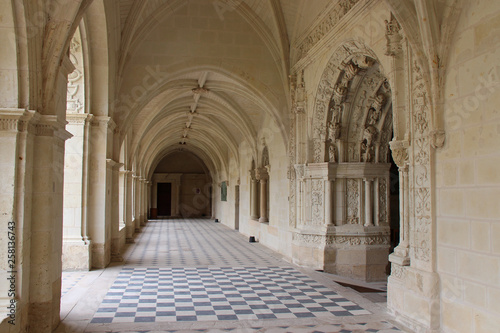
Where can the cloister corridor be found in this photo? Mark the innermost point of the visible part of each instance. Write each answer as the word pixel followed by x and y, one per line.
pixel 194 275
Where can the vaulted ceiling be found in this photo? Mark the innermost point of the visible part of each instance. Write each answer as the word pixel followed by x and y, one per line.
pixel 204 76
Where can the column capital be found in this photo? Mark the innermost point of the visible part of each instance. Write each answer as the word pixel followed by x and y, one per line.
pixel 261 174
pixel 104 121
pixel 113 164
pixel 14 120
pixel 399 150
pixel 79 118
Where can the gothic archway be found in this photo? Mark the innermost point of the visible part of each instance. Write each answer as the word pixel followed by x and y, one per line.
pixel 348 183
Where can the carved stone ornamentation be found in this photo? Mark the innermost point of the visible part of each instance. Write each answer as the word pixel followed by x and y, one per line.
pixel 312 239
pixel 383 204
pixel 200 91
pixel 334 131
pixel 352 201
pixel 437 139
pixel 317 192
pixel 357 240
pixel 394 38
pixel 332 152
pixel 299 170
pixel 420 239
pixel 75 89
pixel 298 93
pixel 367 145
pixel 399 152
pixel 325 26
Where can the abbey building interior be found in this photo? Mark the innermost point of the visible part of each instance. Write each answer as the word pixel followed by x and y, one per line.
pixel 357 139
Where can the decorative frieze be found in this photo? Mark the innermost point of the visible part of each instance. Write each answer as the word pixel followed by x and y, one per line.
pixel 420 239
pixel 322 240
pixel 357 240
pixel 324 26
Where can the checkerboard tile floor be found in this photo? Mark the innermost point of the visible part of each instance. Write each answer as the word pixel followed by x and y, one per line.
pixel 194 243
pixel 70 280
pixel 226 293
pixel 194 275
pixel 380 327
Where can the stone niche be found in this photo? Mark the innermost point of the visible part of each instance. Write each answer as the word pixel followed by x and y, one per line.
pixel 343 224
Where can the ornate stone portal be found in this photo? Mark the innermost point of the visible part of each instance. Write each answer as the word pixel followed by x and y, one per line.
pixel 342 197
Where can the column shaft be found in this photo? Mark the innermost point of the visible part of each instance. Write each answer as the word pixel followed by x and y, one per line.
pixel 263 201
pixel 368 203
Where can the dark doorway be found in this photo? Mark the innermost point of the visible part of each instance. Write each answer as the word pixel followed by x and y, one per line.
pixel 164 199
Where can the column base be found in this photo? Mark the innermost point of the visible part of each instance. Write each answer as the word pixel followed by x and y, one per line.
pixel 263 220
pixel 116 257
pixel 129 241
pixel 76 256
pixel 400 256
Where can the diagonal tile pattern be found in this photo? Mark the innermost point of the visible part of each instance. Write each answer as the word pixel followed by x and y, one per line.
pixel 199 276
pixel 241 293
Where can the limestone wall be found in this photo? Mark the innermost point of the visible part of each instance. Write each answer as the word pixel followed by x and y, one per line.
pixel 468 175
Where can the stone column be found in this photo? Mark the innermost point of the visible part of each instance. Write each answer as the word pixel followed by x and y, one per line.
pixel 129 220
pixel 254 196
pixel 115 214
pixel 368 202
pixel 100 189
pixel 76 246
pixel 263 177
pixel 122 175
pixel 16 166
pixel 137 206
pixel 329 202
pixel 401 255
pixel 149 203
pixel 142 201
pixel 46 227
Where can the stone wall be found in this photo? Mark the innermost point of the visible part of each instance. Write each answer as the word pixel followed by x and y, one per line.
pixel 468 175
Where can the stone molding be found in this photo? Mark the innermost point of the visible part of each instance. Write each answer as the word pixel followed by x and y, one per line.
pixel 15 120
pixel 113 164
pixel 104 121
pixel 79 118
pixel 350 240
pixel 324 27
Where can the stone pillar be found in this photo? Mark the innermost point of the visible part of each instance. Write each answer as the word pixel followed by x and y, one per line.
pixel 122 175
pixel 263 177
pixel 100 189
pixel 301 130
pixel 149 203
pixel 129 220
pixel 340 198
pixel 46 227
pixel 401 254
pixel 368 202
pixel 142 201
pixel 76 253
pixel 115 213
pixel 329 202
pixel 136 203
pixel 254 196
pixel 154 195
pixel 16 164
